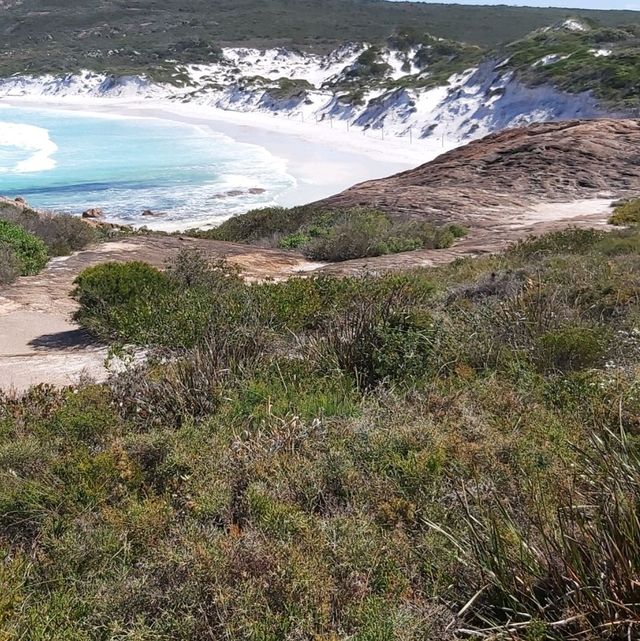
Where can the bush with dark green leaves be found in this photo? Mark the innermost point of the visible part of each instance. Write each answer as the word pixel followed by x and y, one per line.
pixel 30 251
pixel 137 303
pixel 334 235
pixel 120 299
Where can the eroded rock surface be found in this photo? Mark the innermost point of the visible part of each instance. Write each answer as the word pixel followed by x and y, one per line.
pixel 550 162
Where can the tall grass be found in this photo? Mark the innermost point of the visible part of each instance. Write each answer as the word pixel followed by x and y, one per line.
pixel 569 570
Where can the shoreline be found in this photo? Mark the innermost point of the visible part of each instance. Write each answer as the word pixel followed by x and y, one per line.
pixel 323 158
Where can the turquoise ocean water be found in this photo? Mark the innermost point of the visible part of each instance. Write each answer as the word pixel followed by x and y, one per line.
pixel 68 162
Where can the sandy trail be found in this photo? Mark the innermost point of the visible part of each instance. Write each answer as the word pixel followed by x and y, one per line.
pixel 39 343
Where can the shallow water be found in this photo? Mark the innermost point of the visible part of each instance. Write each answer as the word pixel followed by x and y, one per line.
pixel 187 173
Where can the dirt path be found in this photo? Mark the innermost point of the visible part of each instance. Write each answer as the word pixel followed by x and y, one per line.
pixel 39 343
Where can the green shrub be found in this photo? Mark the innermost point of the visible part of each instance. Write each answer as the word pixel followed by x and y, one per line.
pixel 295 240
pixel 61 233
pixel 29 250
pixel 117 300
pixel 359 234
pixel 572 240
pixel 377 338
pixel 626 213
pixel 334 235
pixel 260 224
pixel 571 348
pixel 136 303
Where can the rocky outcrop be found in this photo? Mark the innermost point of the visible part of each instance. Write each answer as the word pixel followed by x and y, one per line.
pixel 93 213
pixel 550 162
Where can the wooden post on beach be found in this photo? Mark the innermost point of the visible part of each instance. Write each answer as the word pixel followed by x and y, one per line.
pixel 411 135
pixel 331 121
pixel 382 133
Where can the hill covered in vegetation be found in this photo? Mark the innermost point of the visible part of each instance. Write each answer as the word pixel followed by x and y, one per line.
pixel 132 37
pixel 437 454
pixel 580 57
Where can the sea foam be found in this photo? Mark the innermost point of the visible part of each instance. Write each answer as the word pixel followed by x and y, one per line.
pixel 186 175
pixel 29 138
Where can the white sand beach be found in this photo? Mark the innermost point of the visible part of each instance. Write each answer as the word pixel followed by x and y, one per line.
pixel 323 157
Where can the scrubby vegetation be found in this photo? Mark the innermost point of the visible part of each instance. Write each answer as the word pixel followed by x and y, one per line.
pixel 62 234
pixel 603 60
pixel 361 233
pixel 29 238
pixel 626 212
pixel 431 61
pixel 29 252
pixel 334 235
pixel 140 37
pixel 440 454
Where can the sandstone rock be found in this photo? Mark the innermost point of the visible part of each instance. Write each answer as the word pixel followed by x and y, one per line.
pixel 20 200
pixel 152 214
pixel 256 190
pixel 552 162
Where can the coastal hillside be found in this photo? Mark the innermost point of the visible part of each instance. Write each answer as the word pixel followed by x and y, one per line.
pixel 439 454
pixel 476 198
pixel 423 91
pixel 414 87
pixel 140 36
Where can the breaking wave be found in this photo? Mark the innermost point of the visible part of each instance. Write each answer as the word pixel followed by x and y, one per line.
pixel 18 140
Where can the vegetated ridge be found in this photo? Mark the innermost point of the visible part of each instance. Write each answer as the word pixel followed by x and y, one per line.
pixel 412 85
pixel 140 35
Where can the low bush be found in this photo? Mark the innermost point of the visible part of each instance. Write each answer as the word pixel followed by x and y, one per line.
pixel 355 234
pixel 571 348
pixel 61 233
pixel 137 303
pixel 626 212
pixel 119 300
pixel 334 235
pixel 259 225
pixel 574 241
pixel 361 233
pixel 29 250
